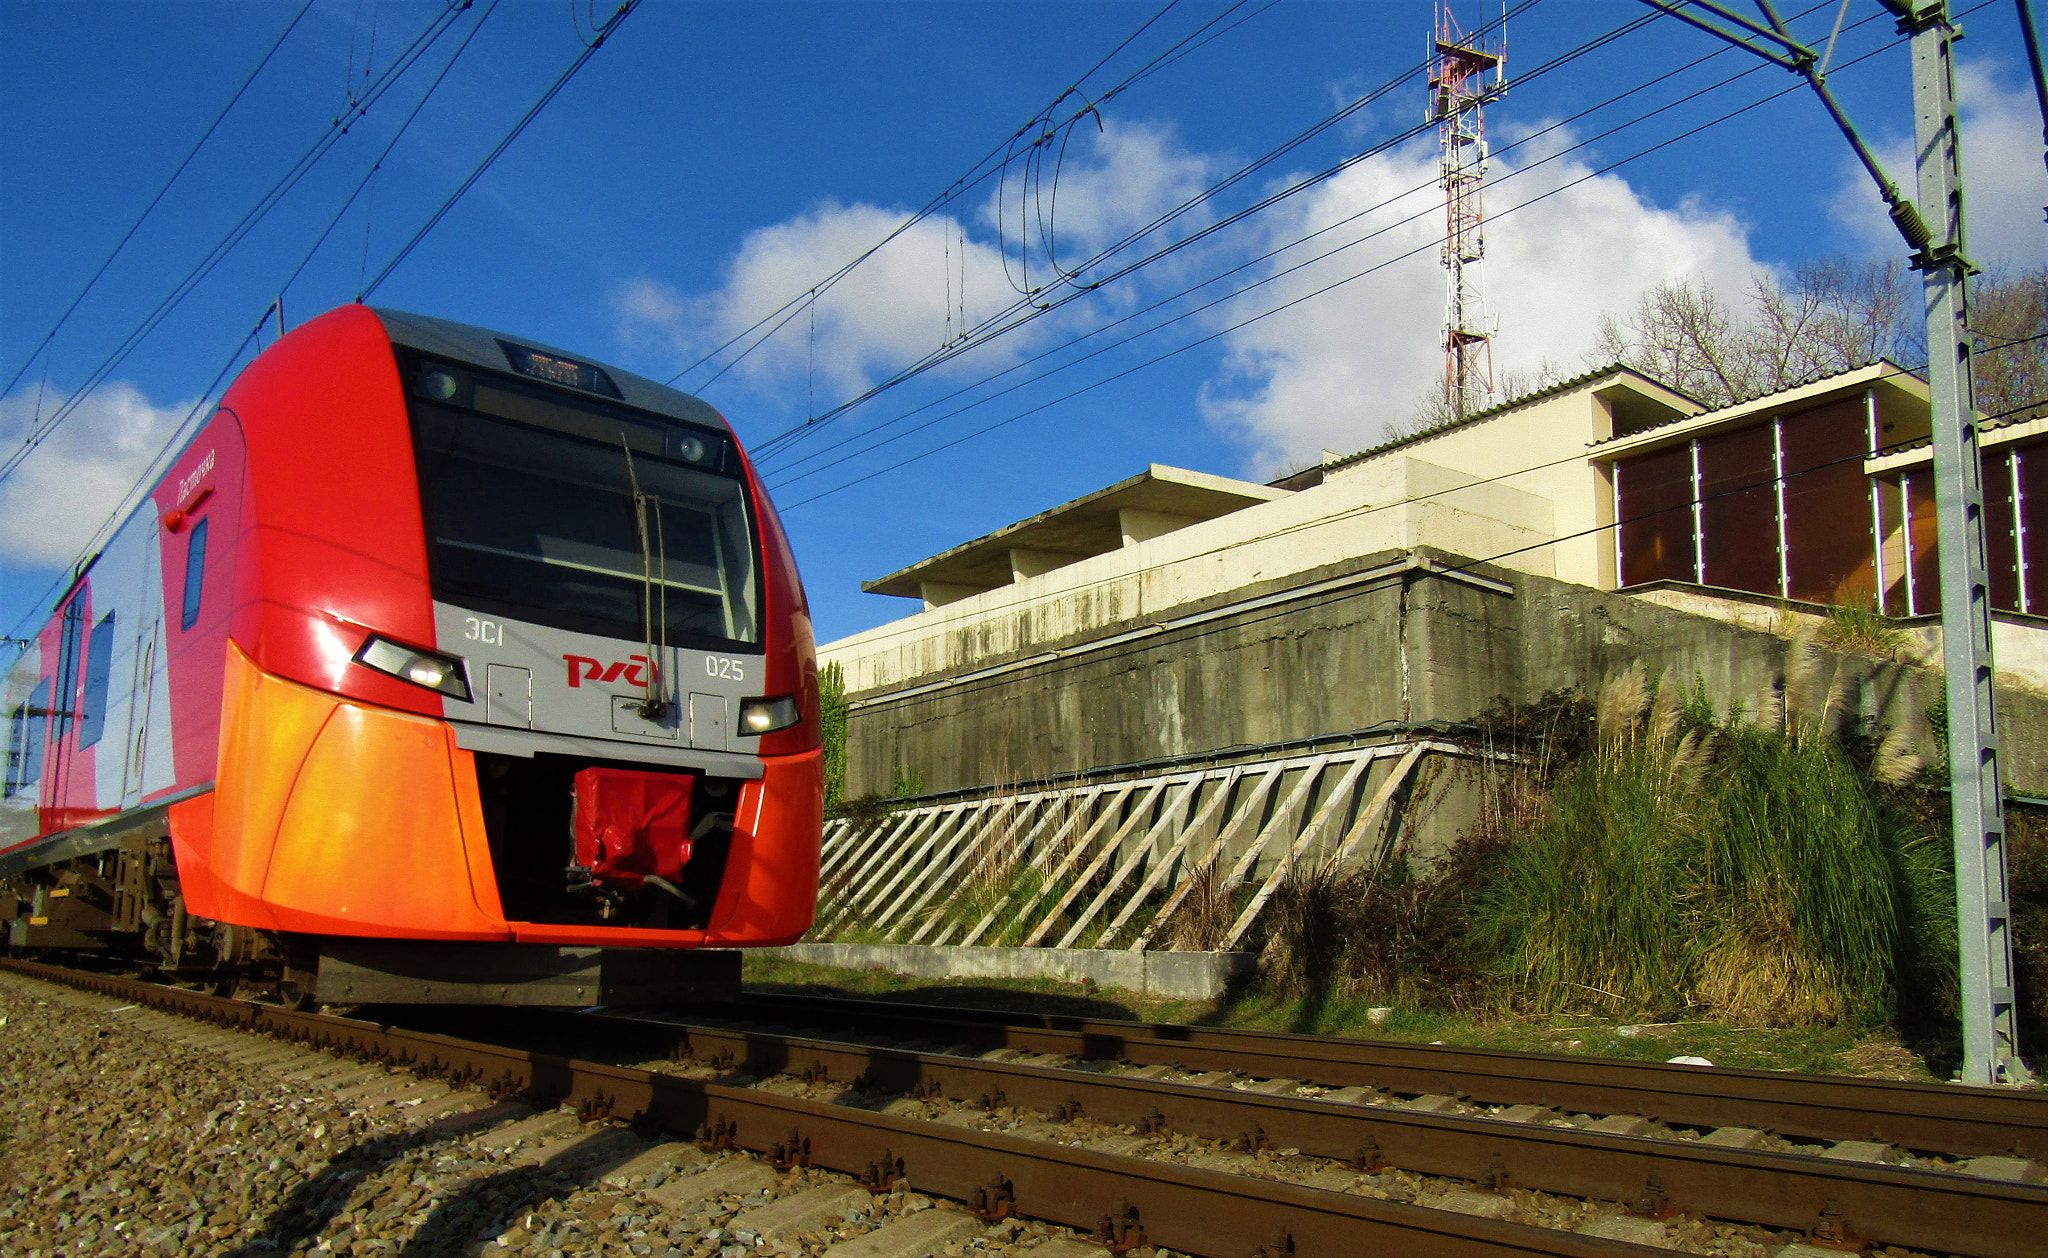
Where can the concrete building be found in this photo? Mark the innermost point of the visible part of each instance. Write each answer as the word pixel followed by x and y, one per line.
pixel 1539 544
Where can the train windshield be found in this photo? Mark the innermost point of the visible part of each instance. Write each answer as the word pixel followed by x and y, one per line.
pixel 531 514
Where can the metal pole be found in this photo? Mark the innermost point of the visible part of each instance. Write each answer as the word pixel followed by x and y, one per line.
pixel 1983 905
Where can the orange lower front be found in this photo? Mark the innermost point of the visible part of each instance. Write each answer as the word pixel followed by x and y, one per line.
pixel 330 817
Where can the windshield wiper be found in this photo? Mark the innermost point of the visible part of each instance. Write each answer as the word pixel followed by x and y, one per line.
pixel 654 703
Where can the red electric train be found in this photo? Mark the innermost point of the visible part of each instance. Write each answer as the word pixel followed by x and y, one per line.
pixel 441 665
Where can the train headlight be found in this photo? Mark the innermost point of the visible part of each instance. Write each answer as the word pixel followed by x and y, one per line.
pixel 420 667
pixel 765 716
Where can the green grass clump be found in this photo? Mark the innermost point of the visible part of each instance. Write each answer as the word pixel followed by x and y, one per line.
pixel 1754 870
pixel 1587 906
pixel 1862 630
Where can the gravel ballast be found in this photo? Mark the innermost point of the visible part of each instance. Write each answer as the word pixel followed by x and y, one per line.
pixel 125 1131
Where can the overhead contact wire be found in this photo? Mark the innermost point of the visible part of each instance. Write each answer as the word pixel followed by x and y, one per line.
pixel 44 343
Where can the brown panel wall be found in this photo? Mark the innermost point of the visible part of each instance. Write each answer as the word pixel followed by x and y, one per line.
pixel 1656 516
pixel 1832 557
pixel 1739 509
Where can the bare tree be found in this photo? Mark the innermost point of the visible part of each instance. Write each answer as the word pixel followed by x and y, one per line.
pixel 2009 314
pixel 1828 316
pixel 1684 334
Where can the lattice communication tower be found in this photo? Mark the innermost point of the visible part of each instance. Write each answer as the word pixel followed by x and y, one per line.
pixel 1464 73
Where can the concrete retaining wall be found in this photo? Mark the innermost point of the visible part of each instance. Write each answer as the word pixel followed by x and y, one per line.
pixel 1421 644
pixel 1167 975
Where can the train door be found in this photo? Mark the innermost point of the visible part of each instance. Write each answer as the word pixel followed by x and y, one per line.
pixel 142 681
pixel 65 710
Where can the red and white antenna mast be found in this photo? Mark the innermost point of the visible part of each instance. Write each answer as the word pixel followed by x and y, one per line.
pixel 1464 73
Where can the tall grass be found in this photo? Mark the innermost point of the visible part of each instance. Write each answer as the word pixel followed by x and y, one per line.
pixel 1814 893
pixel 1752 869
pixel 1588 906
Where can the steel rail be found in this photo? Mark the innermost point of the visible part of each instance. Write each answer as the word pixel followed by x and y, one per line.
pixel 1925 1209
pixel 1127 1201
pixel 1925 1117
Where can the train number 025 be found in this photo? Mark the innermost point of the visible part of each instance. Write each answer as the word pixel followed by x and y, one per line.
pixel 725 666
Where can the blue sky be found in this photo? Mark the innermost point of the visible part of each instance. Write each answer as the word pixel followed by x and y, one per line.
pixel 713 161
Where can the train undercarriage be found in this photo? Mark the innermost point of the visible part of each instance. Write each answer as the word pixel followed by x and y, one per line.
pixel 122 903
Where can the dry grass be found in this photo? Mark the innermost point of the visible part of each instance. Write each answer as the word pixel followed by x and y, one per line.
pixel 1204 915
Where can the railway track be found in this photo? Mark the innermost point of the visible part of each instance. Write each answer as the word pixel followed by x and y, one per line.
pixel 1175 1136
pixel 1957 1122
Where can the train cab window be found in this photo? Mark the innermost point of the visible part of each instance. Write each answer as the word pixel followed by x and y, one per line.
pixel 25 741
pixel 536 518
pixel 195 574
pixel 99 652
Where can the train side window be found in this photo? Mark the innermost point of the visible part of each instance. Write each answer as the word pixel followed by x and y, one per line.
pixel 25 741
pixel 92 721
pixel 17 733
pixel 195 574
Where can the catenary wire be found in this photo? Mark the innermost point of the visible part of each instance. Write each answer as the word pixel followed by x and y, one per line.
pixel 611 25
pixel 377 164
pixel 336 129
pixel 973 177
pixel 775 320
pixel 1267 256
pixel 43 343
pixel 179 437
pixel 1027 311
pixel 1238 326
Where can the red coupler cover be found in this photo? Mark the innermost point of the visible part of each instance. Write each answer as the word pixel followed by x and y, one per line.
pixel 630 824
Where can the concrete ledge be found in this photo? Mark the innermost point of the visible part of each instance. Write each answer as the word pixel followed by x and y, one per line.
pixel 1174 975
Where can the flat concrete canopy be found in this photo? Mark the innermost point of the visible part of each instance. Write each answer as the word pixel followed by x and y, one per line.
pixel 1162 498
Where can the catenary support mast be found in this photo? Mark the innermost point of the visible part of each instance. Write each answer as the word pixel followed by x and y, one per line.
pixel 1983 901
pixel 1933 230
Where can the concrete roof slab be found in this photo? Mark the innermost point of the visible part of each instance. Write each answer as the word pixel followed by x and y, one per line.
pixel 1089 525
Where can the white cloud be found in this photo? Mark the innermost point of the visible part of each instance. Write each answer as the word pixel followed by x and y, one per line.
pixel 920 290
pixel 2005 186
pixel 889 312
pixel 1336 371
pixel 64 489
